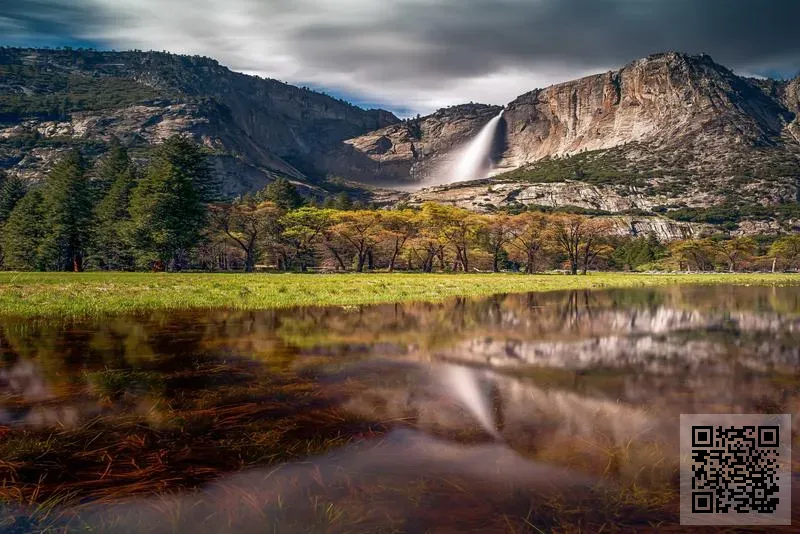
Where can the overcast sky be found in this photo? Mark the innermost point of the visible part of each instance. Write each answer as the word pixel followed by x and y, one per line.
pixel 418 55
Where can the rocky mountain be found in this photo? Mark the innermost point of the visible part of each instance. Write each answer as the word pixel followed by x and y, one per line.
pixel 665 132
pixel 255 128
pixel 668 135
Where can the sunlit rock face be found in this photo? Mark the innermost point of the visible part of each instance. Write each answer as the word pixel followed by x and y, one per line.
pixel 663 130
pixel 670 97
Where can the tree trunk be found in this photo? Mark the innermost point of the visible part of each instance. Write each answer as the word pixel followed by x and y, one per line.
pixel 339 259
pixel 77 263
pixel 774 261
pixel 249 261
pixel 574 267
pixel 395 252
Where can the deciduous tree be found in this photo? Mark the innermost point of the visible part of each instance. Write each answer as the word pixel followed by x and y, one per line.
pixel 495 232
pixel 736 250
pixel 361 231
pixel 246 222
pixel 529 237
pixel 303 228
pixel 399 226
pixel 787 250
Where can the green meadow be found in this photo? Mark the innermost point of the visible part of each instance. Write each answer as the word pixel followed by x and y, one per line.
pixel 101 293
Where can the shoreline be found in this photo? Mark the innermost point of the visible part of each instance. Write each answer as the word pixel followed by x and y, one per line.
pixel 75 295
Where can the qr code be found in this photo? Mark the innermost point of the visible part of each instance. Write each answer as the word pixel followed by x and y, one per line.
pixel 735 469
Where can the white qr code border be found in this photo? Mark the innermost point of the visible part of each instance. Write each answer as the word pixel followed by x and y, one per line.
pixel 702 448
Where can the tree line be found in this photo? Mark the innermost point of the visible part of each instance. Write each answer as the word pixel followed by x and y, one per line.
pixel 168 216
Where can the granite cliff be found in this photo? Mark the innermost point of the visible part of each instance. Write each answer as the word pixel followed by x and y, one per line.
pixel 670 130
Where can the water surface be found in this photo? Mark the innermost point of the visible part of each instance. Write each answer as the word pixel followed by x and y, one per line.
pixel 513 413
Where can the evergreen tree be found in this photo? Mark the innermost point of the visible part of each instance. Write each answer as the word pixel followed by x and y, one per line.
pixel 283 194
pixel 23 233
pixel 111 249
pixel 115 163
pixel 341 202
pixel 169 205
pixel 67 216
pixel 12 189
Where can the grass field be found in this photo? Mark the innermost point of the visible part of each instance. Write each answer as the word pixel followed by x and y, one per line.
pixel 92 294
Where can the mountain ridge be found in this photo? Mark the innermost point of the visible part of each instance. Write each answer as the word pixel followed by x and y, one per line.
pixel 661 134
pixel 256 128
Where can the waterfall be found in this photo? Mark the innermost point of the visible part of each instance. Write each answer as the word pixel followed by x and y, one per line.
pixel 474 161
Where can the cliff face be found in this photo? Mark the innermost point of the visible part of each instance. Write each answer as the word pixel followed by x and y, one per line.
pixel 667 99
pixel 669 129
pixel 255 128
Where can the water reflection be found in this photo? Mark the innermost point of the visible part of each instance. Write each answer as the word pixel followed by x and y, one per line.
pixel 376 417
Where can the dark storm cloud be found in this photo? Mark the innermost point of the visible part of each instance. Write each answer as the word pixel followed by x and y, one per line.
pixel 46 22
pixel 430 53
pixel 466 38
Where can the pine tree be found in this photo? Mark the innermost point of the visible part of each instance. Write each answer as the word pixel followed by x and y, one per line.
pixel 22 234
pixel 67 216
pixel 110 167
pixel 110 247
pixel 283 194
pixel 12 189
pixel 169 205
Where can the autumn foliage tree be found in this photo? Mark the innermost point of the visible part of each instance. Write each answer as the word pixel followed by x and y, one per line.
pixel 248 224
pixel 786 250
pixel 529 238
pixel 580 239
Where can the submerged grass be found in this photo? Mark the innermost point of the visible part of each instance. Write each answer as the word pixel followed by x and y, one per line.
pixel 95 294
pixel 110 384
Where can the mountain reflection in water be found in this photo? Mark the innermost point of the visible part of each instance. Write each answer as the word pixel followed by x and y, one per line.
pixel 510 413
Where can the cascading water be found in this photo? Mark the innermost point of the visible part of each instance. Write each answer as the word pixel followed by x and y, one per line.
pixel 474 162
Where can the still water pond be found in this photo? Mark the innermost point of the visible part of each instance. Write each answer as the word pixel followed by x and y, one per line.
pixel 517 413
